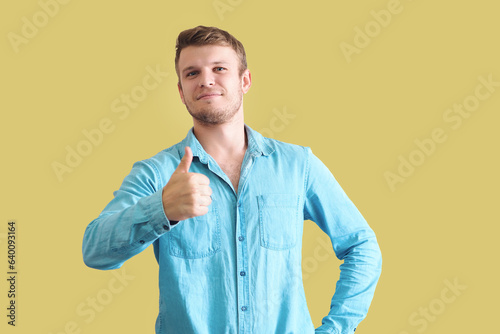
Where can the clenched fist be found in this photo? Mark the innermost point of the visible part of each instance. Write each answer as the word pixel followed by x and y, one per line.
pixel 186 194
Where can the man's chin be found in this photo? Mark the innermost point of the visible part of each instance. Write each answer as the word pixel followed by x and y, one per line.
pixel 211 118
pixel 212 115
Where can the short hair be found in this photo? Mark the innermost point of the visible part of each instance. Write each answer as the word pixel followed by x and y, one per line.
pixel 202 35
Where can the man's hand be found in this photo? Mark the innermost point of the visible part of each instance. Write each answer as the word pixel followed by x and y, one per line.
pixel 186 194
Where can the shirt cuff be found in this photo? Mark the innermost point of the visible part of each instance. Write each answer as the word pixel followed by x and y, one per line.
pixel 158 219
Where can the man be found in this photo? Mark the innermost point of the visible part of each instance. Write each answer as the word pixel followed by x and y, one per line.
pixel 224 210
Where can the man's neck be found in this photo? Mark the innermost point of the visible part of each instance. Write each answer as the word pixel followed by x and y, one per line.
pixel 223 141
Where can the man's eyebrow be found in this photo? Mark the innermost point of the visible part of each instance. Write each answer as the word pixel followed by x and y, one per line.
pixel 220 62
pixel 189 68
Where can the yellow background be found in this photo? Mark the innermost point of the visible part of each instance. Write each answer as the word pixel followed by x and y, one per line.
pixel 358 116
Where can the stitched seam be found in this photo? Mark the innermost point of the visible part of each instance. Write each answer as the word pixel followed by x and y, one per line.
pixel 306 180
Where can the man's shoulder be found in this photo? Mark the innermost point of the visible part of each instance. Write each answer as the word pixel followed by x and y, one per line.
pixel 165 160
pixel 282 147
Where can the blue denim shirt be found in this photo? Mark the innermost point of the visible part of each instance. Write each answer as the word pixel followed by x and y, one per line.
pixel 237 269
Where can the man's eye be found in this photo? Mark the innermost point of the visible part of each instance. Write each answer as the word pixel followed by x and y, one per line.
pixel 219 68
pixel 190 74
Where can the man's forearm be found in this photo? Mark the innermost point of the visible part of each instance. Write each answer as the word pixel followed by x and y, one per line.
pixel 129 223
pixel 355 288
pixel 113 238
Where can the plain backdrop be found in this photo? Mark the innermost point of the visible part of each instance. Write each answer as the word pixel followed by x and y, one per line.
pixel 365 84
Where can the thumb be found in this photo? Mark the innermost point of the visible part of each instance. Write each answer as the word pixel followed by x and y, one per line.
pixel 185 161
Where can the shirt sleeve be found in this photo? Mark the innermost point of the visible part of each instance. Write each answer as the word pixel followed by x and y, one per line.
pixel 353 241
pixel 129 223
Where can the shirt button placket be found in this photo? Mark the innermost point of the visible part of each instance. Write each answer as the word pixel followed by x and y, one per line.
pixel 242 253
pixel 242 281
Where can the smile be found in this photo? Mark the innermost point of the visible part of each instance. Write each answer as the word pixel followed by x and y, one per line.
pixel 208 96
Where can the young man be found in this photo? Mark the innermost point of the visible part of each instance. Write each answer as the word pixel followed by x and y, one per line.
pixel 224 210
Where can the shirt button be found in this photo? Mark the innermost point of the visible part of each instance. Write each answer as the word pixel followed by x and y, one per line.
pixel 243 308
pixel 142 242
pixel 165 227
pixel 242 273
pixel 241 238
pixel 239 204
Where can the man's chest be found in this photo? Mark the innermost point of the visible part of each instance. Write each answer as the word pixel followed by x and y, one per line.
pixel 232 169
pixel 267 210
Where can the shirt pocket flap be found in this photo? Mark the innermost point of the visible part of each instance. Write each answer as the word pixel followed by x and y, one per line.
pixel 278 220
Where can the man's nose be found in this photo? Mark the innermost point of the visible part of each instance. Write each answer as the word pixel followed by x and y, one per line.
pixel 206 79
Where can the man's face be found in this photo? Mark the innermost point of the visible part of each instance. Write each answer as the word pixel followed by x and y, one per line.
pixel 210 84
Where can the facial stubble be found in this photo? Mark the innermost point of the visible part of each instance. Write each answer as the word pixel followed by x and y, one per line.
pixel 211 115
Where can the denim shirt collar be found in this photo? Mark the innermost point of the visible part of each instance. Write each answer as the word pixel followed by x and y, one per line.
pixel 257 145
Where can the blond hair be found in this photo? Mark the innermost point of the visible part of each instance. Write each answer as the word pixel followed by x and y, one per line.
pixel 202 35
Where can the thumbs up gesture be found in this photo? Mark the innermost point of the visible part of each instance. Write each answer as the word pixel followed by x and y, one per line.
pixel 186 194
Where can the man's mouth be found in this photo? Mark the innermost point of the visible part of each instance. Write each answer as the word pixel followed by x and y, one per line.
pixel 206 96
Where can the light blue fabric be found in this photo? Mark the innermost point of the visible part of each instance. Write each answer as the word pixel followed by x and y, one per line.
pixel 237 269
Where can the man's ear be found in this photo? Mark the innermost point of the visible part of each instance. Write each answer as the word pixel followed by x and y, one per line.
pixel 180 92
pixel 246 81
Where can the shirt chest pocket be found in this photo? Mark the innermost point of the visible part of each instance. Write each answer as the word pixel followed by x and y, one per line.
pixel 196 237
pixel 279 220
